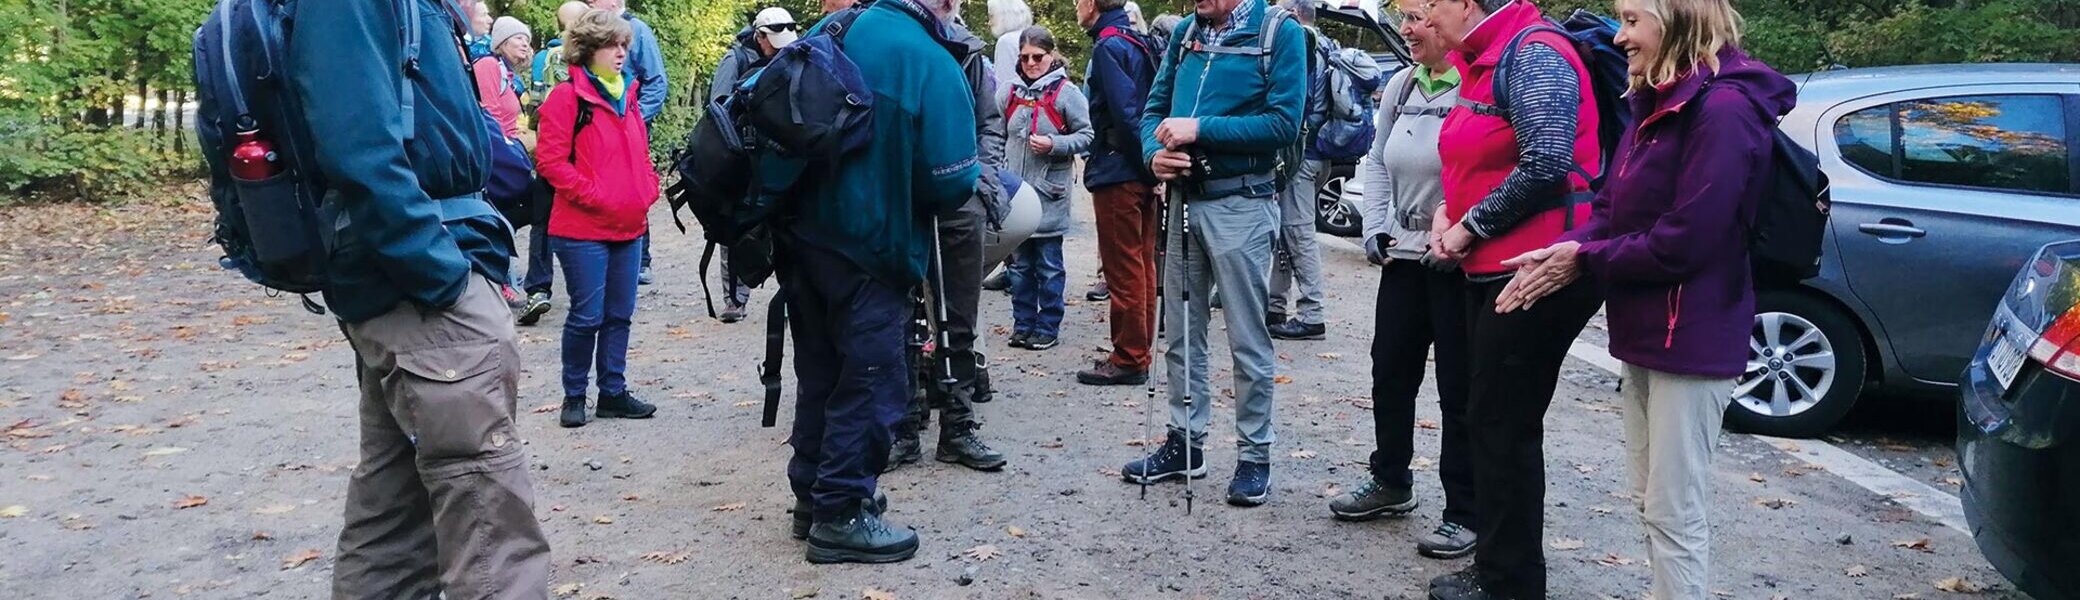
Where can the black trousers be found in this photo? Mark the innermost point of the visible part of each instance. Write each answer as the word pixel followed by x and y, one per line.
pixel 1515 365
pixel 1419 307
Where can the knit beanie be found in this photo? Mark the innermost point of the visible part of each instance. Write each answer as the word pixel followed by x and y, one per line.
pixel 507 27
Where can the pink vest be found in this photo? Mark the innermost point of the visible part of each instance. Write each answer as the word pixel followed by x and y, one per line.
pixel 1479 151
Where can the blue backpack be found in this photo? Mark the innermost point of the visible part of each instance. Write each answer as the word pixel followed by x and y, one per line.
pixel 275 230
pixel 1353 81
pixel 1593 37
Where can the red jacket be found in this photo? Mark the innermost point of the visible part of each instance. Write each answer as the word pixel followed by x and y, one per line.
pixel 605 195
pixel 1479 151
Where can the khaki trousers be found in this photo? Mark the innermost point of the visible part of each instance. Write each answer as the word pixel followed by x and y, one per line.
pixel 440 503
pixel 1671 424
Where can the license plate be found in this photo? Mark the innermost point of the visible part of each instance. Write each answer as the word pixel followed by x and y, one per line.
pixel 2006 359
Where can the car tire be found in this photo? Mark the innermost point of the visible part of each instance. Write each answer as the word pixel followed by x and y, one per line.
pixel 1816 385
pixel 1334 215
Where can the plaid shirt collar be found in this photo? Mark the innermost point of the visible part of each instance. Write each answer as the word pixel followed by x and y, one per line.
pixel 1237 19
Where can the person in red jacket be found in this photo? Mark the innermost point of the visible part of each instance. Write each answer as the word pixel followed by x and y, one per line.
pixel 605 184
pixel 1513 181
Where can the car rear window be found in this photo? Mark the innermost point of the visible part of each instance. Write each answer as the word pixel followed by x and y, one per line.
pixel 2003 142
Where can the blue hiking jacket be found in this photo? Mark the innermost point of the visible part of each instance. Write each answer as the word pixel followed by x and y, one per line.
pixel 647 58
pixel 1245 117
pixel 385 174
pixel 1114 84
pixel 876 210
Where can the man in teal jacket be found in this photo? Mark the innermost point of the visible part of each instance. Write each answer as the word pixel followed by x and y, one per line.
pixel 440 502
pixel 858 246
pixel 1217 147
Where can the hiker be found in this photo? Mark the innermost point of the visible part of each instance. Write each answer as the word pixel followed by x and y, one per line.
pixel 1217 146
pixel 479 28
pixel 1668 246
pixel 1008 20
pixel 646 60
pixel 1507 189
pixel 499 88
pixel 605 184
pixel 1163 26
pixel 772 29
pixel 1134 18
pixel 1122 66
pixel 549 68
pixel 439 502
pixel 1048 121
pixel 1296 268
pixel 1421 303
pixel 961 250
pixel 854 249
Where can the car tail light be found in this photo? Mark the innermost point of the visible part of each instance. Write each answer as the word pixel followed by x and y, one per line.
pixel 2045 300
pixel 2058 349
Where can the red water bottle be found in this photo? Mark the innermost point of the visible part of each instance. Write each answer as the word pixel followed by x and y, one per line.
pixel 253 159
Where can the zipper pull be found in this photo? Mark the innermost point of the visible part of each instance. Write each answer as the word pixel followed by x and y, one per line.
pixel 1675 310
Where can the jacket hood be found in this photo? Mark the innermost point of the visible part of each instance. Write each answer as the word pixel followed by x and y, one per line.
pixel 966 43
pixel 1112 18
pixel 744 39
pixel 1771 91
pixel 1038 86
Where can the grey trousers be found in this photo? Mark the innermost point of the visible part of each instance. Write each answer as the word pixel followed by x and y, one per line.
pixel 1298 262
pixel 1671 424
pixel 1230 247
pixel 441 502
pixel 960 243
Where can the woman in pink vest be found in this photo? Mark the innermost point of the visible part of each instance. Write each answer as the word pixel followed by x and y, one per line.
pixel 1513 182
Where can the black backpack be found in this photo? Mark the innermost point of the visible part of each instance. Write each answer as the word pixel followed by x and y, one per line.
pixel 1791 210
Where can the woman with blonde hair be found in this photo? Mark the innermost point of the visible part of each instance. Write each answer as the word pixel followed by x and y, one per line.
pixel 1667 243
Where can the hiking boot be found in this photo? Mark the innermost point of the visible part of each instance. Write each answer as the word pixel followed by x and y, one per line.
pixel 1252 484
pixel 1465 584
pixel 1296 330
pixel 623 406
pixel 860 536
pixel 1106 373
pixel 1450 540
pixel 1018 340
pixel 537 305
pixel 1274 319
pixel 803 513
pixel 1373 500
pixel 573 412
pixel 1168 462
pixel 1099 292
pixel 906 450
pixel 998 280
pixel 966 450
pixel 512 297
pixel 732 313
pixel 1041 342
pixel 643 276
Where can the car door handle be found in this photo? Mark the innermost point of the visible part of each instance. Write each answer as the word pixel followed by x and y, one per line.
pixel 1892 230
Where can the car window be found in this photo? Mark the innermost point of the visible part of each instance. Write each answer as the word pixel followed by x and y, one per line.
pixel 2007 142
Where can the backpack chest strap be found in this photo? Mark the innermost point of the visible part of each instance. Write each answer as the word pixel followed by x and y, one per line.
pixel 1205 48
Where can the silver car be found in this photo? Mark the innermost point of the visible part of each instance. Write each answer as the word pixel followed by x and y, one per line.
pixel 1946 179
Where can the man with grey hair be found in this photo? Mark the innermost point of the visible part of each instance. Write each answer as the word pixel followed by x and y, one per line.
pixel 960 249
pixel 1296 271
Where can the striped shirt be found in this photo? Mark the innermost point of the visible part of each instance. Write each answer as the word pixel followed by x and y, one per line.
pixel 1545 97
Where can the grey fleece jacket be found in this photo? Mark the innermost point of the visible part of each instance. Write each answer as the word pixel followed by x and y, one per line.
pixel 1403 175
pixel 1051 174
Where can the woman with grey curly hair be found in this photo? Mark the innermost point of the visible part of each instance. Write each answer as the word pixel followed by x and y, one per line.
pixel 1007 20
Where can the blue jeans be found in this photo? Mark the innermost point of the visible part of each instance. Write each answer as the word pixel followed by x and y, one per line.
pixel 853 369
pixel 541 266
pixel 601 280
pixel 1037 280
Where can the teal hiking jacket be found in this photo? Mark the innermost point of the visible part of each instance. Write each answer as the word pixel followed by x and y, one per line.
pixel 1245 117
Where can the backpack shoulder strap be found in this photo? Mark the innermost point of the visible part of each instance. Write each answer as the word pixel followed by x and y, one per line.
pixel 407 101
pixel 1509 58
pixel 581 120
pixel 776 351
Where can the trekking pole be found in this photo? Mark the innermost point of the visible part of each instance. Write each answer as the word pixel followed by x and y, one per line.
pixel 937 282
pixel 1184 230
pixel 1155 334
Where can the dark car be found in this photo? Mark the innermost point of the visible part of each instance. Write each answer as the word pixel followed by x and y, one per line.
pixel 1945 179
pixel 2018 436
pixel 1353 26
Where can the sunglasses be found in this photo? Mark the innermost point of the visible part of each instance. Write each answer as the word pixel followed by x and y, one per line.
pixel 1031 58
pixel 778 27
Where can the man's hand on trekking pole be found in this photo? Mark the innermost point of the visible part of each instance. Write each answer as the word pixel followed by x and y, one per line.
pixel 1170 164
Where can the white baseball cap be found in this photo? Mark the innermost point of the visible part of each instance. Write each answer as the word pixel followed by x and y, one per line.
pixel 777 25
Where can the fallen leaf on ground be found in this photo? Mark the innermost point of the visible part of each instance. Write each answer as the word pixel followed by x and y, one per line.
pixel 54 449
pixel 1054 445
pixel 1328 356
pixel 1601 510
pixel 1425 424
pixel 728 507
pixel 603 520
pixel 261 536
pixel 874 594
pixel 983 552
pixel 1756 477
pixel 631 497
pixel 274 509
pixel 298 559
pixel 1959 585
pixel 1421 463
pixel 1330 491
pixel 546 408
pixel 191 502
pixel 669 558
pixel 1015 531
pixel 1907 596
pixel 1304 454
pixel 1282 379
pixel 1857 571
pixel 1923 544
pixel 166 451
pixel 1775 503
pixel 1952 481
pixel 809 592
pixel 1585 469
pixel 746 403
pixel 569 589
pixel 14 512
pixel 1613 560
pixel 1568 544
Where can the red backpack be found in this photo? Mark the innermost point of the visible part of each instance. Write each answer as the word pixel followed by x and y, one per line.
pixel 1044 106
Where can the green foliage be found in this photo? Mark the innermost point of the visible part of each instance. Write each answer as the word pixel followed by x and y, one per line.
pixel 96 164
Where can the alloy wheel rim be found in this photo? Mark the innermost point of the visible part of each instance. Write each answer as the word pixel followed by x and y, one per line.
pixel 1791 366
pixel 1329 201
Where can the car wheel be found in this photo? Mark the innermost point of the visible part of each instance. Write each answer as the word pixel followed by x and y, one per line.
pixel 1334 214
pixel 1805 368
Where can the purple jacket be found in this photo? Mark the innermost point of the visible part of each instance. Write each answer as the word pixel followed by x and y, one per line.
pixel 1667 239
